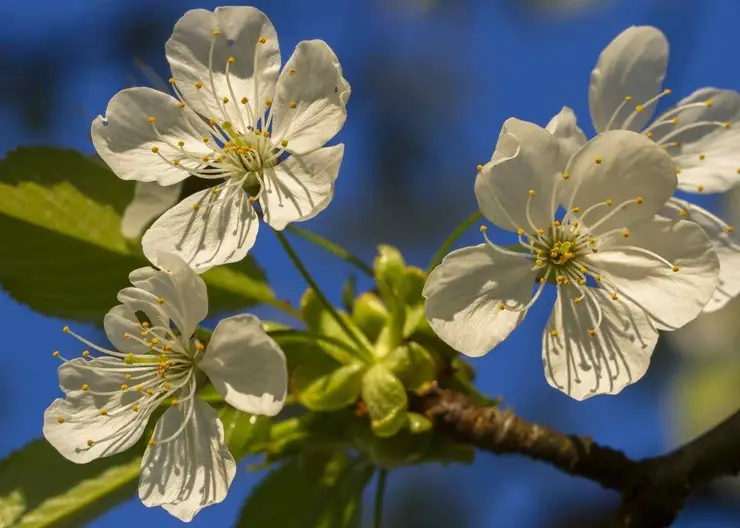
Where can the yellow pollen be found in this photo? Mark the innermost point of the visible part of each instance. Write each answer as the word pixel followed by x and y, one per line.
pixel 138 388
pixel 639 200
pixel 520 231
pixel 293 104
pixel 103 412
pixel 594 250
pixel 597 277
pixel 649 135
pixel 231 60
pixel 676 144
pixel 205 139
pixel 65 329
pixel 702 156
pixel 151 442
pixel 172 80
pixel 135 407
pixel 225 100
pixel 578 299
pixel 614 296
pixel 152 119
pixel 538 262
pixel 55 354
pixel 144 334
pixel 583 269
pixel 150 391
pixel 196 207
pixel 155 149
pixel 483 229
pixel 674 120
pixel 667 91
pixel 738 171
pixel 167 385
pixel 501 306
pixel 542 280
pixel 582 282
pixel 90 443
pixel 174 401
pixel 212 122
pixel 727 124
pixel 540 231
pixel 284 143
pixel 625 233
pixel 124 387
pixel 700 188
pixel 609 202
pixel 60 419
pixel 85 353
pixel 709 103
pixel 215 33
pixel 554 333
pixel 576 210
pixel 160 300
pixel 639 108
pixel 556 223
pixel 268 102
pixel 206 159
pixel 683 212
pixel 85 387
pixel 266 133
pixel 292 71
pixel 592 332
pixel 566 175
pixel 479 167
pixel 251 199
pixel 198 85
pixel 678 170
pixel 628 98
pixel 730 229
pixel 531 192
pixel 598 161
pixel 200 346
pixel 181 105
pixel 262 40
pixel 181 143
pixel 675 268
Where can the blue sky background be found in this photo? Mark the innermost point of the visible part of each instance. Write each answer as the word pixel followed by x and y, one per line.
pixel 450 75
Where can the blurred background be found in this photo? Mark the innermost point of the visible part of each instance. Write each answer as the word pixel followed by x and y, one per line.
pixel 432 82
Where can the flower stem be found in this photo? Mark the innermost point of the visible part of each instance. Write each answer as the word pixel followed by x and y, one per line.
pixel 442 251
pixel 332 248
pixel 379 495
pixel 320 295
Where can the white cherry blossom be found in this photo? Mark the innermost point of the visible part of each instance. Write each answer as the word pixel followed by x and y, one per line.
pixel 701 134
pixel 237 119
pixel 111 393
pixel 621 273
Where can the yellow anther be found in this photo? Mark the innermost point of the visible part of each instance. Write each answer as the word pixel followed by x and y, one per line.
pixel 152 119
pixel 560 279
pixel 538 262
pixel 614 296
pixel 700 188
pixel 155 149
pixel 225 100
pixel 176 162
pixel 675 268
pixel 628 98
pixel 90 443
pixel 597 277
pixel 175 401
pixel 531 192
pixel 245 100
pixel 709 103
pixel 576 210
pixel 251 199
pixel 483 229
pixel 262 40
pixel 727 124
pixel 124 387
pixel 85 387
pixel 737 170
pixel 667 91
pixel 60 419
pixel 266 133
pixel 592 241
pixel 135 407
pixel 150 391
pixel 578 299
pixel 200 346
pixel 730 229
pixel 268 101
pixel 151 442
pixel 556 223
pixel 501 306
pixel 639 108
pixel 609 202
pixel 206 159
pixel 172 80
pixel 160 300
pixel 167 385
pixel 683 212
pixel 520 231
pixel 103 412
pixel 591 332
pixel 674 120
pixel 598 161
pixel 196 207
pixel 594 250
pixel 198 85
pixel 582 282
pixel 155 341
pixel 181 105
pixel 542 280
pixel 231 60
pixel 284 143
pixel 212 122
pixel 479 167
pixel 181 143
pixel 583 269
pixel 215 33
pixel 85 353
pixel 292 71
pixel 566 175
pixel 56 354
pixel 293 104
pixel 554 333
pixel 702 156
pixel 625 233
pixel 65 329
pixel 649 135
pixel 639 200
pixel 540 231
pixel 205 139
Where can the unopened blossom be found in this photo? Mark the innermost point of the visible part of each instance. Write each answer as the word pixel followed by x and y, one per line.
pixel 110 394
pixel 620 272
pixel 237 119
pixel 701 134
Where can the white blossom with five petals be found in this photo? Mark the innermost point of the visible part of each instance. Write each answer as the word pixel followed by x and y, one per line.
pixel 621 273
pixel 701 134
pixel 235 118
pixel 110 398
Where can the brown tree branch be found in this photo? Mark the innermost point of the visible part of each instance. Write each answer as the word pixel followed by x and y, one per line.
pixel 653 490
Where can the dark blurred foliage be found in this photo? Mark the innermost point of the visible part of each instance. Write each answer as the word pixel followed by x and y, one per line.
pixel 428 503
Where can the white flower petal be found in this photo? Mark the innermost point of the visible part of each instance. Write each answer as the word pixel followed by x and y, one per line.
pixel 253 73
pixel 192 471
pixel 527 158
pixel 124 138
pixel 150 200
pixel 582 365
pixel 221 230
pixel 565 128
pixel 708 138
pixel 300 187
pixel 619 166
pixel 464 292
pixel 632 65
pixel 312 79
pixel 726 245
pixel 246 366
pixel 69 424
pixel 122 320
pixel 77 372
pixel 670 298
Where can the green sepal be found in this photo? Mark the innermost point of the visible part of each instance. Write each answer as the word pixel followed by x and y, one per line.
pixel 370 315
pixel 324 385
pixel 418 423
pixel 386 401
pixel 411 363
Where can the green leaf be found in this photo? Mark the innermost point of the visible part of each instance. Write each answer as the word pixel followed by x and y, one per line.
pixel 65 256
pixel 39 487
pixel 370 315
pixel 322 493
pixel 386 401
pixel 244 432
pixel 323 385
pixel 412 364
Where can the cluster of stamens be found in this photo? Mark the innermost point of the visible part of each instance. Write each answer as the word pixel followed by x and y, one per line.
pixel 164 370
